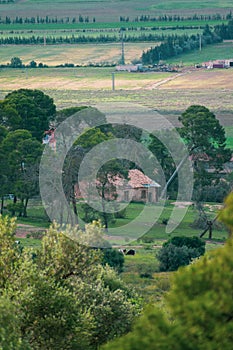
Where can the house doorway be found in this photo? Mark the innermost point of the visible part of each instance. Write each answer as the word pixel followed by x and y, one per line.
pixel 150 197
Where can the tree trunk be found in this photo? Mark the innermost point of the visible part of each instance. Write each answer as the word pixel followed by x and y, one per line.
pixel 2 204
pixel 25 208
pixel 14 201
pixel 105 215
pixel 21 210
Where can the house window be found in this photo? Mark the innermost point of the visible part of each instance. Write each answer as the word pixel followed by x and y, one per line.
pixel 126 196
pixel 143 194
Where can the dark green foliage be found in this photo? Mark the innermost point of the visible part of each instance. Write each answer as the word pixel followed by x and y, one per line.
pixel 16 62
pixel 171 257
pixel 27 109
pixel 179 251
pixel 113 258
pixel 67 112
pixel 10 337
pixel 216 192
pixel 15 208
pixel 190 242
pixel 225 31
pixel 206 141
pixel 62 297
pixel 175 45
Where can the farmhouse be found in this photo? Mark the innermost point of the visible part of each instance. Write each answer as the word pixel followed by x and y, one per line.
pixel 139 188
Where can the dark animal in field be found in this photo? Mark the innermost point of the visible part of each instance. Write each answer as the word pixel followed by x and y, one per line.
pixel 131 252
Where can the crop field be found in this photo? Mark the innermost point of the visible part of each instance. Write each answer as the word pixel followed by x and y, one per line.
pixel 76 79
pixel 154 25
pixel 81 54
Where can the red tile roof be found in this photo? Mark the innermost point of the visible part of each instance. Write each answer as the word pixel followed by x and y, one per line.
pixel 137 179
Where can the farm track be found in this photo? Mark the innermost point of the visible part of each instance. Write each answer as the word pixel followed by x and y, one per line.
pixel 164 81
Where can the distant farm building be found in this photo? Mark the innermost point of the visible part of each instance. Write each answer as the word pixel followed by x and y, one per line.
pixel 138 187
pixel 129 68
pixel 227 63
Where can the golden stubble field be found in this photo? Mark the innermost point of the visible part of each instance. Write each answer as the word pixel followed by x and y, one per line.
pixel 168 93
pixel 80 54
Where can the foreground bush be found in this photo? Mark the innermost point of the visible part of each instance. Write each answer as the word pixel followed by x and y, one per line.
pixel 61 295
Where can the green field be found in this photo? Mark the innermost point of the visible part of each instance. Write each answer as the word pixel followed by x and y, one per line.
pixel 104 10
pixel 222 50
pixel 107 25
pixel 191 5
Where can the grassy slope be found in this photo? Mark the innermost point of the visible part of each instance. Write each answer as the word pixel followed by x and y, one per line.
pixel 222 50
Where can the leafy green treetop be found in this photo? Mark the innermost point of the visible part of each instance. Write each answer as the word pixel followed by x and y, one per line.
pixel 62 296
pixel 27 109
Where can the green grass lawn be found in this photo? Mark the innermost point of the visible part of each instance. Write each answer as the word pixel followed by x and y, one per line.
pixel 158 230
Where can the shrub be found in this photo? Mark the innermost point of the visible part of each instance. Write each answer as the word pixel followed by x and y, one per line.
pixel 113 258
pixel 179 251
pixel 14 208
pixel 145 271
pixel 120 214
pixel 190 242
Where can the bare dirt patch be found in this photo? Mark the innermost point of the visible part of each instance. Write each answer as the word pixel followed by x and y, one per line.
pixel 23 230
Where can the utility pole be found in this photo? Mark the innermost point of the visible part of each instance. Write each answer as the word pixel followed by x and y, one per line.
pixel 122 61
pixel 200 41
pixel 113 81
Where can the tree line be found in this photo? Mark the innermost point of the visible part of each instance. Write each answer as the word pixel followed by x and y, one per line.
pixel 172 45
pixel 175 45
pixel 178 18
pixel 46 19
pixel 76 39
pixel 86 19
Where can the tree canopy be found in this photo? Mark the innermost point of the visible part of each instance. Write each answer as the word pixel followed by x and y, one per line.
pixel 60 296
pixel 27 109
pixel 206 142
